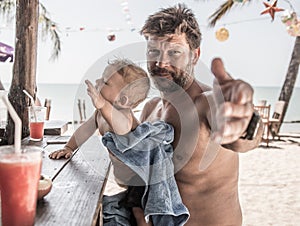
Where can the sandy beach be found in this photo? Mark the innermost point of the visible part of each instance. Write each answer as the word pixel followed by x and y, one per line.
pixel 269 185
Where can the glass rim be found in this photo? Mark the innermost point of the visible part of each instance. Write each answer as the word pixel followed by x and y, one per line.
pixel 37 107
pixel 24 149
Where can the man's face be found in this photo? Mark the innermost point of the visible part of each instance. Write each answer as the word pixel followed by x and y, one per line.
pixel 170 62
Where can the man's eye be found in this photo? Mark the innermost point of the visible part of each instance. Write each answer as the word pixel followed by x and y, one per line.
pixel 174 52
pixel 153 52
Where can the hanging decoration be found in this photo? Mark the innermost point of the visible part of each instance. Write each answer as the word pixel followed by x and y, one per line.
pixel 53 27
pixel 294 30
pixel 126 12
pixel 111 37
pixel 271 9
pixel 292 23
pixel 222 34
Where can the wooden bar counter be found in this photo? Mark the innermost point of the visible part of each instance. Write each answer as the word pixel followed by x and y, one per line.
pixel 78 183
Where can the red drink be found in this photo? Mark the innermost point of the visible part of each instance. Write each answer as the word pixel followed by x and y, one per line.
pixel 36 130
pixel 36 116
pixel 19 177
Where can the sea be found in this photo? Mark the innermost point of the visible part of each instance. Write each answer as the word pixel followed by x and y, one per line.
pixel 67 98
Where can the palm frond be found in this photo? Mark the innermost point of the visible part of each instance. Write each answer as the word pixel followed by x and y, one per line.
pixel 56 44
pixel 50 27
pixel 7 9
pixel 223 9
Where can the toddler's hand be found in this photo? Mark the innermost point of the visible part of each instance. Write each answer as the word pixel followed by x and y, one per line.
pixel 64 152
pixel 97 98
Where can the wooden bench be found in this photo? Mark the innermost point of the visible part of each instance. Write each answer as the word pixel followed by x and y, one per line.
pixel 78 183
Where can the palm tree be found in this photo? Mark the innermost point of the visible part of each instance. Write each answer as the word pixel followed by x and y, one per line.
pixel 24 68
pixel 291 76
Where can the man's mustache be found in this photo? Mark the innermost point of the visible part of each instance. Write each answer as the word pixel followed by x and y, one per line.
pixel 159 71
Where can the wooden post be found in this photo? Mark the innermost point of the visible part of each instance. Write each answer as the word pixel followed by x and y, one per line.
pixel 47 104
pixel 24 69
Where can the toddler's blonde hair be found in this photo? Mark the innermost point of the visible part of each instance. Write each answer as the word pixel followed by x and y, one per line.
pixel 136 78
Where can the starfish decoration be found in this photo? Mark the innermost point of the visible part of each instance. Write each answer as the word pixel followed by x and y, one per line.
pixel 271 9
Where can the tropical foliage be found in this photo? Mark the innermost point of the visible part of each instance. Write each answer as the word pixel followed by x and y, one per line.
pixel 47 25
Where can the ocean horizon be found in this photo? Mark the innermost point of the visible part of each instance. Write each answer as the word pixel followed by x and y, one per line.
pixel 64 102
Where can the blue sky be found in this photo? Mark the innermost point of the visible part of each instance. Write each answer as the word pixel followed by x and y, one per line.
pixel 258 50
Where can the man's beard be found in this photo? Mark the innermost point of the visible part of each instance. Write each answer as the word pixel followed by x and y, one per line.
pixel 179 78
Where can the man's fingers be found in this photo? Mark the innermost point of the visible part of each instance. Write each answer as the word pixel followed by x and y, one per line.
pixel 235 127
pixel 242 92
pixel 218 69
pixel 231 110
pixel 236 91
pixel 231 131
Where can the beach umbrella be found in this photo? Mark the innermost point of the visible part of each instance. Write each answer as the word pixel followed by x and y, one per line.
pixel 6 52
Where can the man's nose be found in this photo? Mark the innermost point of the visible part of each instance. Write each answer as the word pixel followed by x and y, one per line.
pixel 163 60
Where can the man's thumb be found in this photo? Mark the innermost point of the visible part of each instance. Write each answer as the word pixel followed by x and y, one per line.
pixel 218 69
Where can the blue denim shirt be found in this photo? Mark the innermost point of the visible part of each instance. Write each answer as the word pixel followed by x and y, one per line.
pixel 148 152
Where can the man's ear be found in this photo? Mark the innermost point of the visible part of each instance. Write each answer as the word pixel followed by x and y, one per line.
pixel 196 55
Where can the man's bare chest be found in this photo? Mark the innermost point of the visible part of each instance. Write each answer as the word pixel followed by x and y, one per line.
pixel 167 114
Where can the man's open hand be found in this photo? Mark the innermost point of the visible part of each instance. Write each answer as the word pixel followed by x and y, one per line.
pixel 234 102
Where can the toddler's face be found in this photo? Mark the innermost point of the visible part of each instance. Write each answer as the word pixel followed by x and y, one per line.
pixel 110 86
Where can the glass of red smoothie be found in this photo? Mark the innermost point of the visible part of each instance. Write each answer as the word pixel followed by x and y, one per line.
pixel 19 178
pixel 37 116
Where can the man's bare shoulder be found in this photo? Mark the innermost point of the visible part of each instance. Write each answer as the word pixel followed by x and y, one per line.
pixel 150 104
pixel 149 107
pixel 203 87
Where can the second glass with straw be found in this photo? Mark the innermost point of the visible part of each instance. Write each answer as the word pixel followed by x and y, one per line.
pixel 36 119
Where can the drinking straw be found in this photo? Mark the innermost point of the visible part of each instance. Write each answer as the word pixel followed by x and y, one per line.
pixel 31 98
pixel 17 121
pixel 32 102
